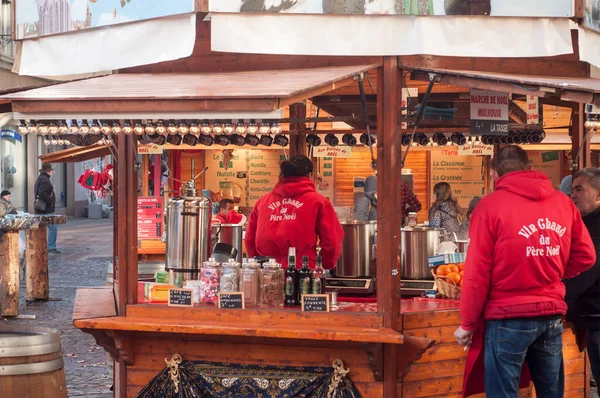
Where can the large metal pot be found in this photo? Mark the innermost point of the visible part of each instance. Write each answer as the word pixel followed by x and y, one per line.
pixel 357 249
pixel 230 234
pixel 188 237
pixel 417 244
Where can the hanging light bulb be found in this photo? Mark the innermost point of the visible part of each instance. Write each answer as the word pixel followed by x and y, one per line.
pixel 53 128
pixel 43 128
pixel 421 139
pixel 116 127
pixel 440 139
pixel 190 139
pixel 149 128
pixel 281 140
pixel 23 129
pixel 74 129
pixel 53 141
pixel 172 128
pixel 228 128
pixel 62 127
pixel 266 140
pixel 138 129
pixel 313 140
pixel 241 128
pixel 183 128
pixel 33 128
pixel 95 127
pixel 252 128
pixel 588 123
pixel 237 139
pixel 85 127
pixel 275 128
pixel 206 139
pixel 174 139
pixel 406 139
pixel 264 128
pixel 46 141
pixel 364 139
pixel 217 128
pixel 458 138
pixel 160 128
pixel 349 139
pixel 60 141
pixel 194 128
pixel 251 139
pixel 67 142
pixel 127 129
pixel 222 140
pixel 159 139
pixel 105 129
pixel 332 140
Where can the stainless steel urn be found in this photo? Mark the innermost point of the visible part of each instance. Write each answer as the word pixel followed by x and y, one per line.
pixel 230 234
pixel 188 237
pixel 357 249
pixel 417 245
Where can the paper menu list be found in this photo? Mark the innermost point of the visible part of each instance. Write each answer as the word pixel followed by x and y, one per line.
pixel 251 174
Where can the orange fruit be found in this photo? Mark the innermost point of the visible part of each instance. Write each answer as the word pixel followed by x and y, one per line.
pixel 454 268
pixel 461 266
pixel 442 270
pixel 453 277
pixel 461 273
pixel 460 283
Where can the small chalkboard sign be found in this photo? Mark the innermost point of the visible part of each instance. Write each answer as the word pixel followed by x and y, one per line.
pixel 231 300
pixel 315 302
pixel 181 298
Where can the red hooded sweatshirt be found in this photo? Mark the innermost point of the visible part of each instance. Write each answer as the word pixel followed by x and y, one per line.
pixel 525 238
pixel 294 215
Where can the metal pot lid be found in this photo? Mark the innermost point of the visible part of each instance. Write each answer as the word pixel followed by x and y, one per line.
pixel 356 222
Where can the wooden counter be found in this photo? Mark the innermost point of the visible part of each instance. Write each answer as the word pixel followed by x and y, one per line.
pixel 430 363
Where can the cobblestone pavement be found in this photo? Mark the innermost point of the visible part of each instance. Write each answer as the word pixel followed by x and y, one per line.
pixel 86 249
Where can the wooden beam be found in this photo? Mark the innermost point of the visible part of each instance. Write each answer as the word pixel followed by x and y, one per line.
pixel 578 133
pixel 516 113
pixel 315 92
pixel 145 175
pixel 297 118
pixel 388 217
pixel 131 264
pixel 120 274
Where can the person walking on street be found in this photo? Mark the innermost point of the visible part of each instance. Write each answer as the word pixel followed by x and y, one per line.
pixel 583 291
pixel 526 237
pixel 45 201
pixel 6 207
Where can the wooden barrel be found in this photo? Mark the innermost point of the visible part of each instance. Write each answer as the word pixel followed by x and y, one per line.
pixel 31 363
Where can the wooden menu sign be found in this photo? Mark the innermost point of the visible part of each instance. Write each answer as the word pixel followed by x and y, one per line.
pixel 181 298
pixel 315 302
pixel 231 300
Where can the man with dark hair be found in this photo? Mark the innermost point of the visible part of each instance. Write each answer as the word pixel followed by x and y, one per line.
pixel 526 237
pixel 583 291
pixel 45 201
pixel 6 207
pixel 227 214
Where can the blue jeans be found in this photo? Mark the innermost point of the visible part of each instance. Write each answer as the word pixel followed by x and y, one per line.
pixel 510 342
pixel 52 233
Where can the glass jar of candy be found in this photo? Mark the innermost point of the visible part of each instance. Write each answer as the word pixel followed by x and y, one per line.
pixel 250 283
pixel 230 277
pixel 210 279
pixel 272 282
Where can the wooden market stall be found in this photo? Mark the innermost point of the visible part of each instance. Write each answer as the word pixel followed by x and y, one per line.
pixel 394 347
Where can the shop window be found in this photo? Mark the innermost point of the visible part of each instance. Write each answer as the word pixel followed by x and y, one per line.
pixel 13 166
pixel 8 45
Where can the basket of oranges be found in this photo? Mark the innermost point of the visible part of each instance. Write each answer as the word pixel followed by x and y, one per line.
pixel 448 278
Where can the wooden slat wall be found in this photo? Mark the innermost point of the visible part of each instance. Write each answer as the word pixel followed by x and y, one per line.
pixel 359 166
pixel 439 372
pixel 186 166
pixel 149 354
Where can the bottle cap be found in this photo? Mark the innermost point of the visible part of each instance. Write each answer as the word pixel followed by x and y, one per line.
pixel 292 252
pixel 304 259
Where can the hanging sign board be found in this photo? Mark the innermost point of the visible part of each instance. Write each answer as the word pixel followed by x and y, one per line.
pixel 489 112
pixel 150 217
pixel 476 149
pixel 150 149
pixel 332 152
pixel 533 110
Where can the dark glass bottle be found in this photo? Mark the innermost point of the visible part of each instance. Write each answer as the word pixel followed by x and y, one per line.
pixel 318 277
pixel 291 280
pixel 305 277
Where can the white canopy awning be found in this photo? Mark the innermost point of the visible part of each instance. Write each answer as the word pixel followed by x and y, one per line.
pixel 109 48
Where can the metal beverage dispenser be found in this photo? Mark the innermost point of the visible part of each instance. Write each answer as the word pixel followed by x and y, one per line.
pixel 188 231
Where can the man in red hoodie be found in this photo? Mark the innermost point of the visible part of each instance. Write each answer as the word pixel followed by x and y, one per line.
pixel 525 238
pixel 294 215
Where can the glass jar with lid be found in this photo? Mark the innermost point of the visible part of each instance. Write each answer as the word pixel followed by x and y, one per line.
pixel 230 276
pixel 272 281
pixel 250 283
pixel 210 279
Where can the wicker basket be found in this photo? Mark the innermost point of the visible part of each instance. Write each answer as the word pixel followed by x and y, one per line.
pixel 446 288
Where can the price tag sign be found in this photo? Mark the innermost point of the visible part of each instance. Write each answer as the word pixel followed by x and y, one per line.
pixel 315 302
pixel 180 298
pixel 231 300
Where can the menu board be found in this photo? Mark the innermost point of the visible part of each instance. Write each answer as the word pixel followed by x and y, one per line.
pixel 548 162
pixel 464 173
pixel 149 217
pixel 250 174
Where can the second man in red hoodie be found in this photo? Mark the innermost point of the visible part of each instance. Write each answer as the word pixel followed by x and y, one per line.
pixel 525 238
pixel 294 215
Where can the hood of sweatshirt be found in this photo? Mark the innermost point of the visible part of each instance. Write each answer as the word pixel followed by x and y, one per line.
pixel 293 187
pixel 533 185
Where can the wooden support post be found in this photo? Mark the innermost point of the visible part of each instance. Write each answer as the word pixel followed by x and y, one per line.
pixel 9 274
pixel 389 146
pixel 132 243
pixel 145 160
pixel 578 133
pixel 298 141
pixel 36 270
pixel 120 274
